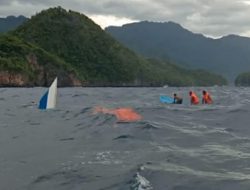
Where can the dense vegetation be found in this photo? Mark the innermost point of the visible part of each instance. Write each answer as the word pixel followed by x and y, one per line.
pixel 243 79
pixel 73 43
pixel 82 43
pixel 20 57
pixel 172 75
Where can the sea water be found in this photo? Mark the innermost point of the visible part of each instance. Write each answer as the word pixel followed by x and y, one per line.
pixel 173 147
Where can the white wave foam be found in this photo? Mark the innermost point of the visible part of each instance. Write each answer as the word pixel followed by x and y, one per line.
pixel 184 170
pixel 141 183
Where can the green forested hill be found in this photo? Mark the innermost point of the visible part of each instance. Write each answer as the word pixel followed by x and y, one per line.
pixel 243 79
pixel 80 42
pixel 173 75
pixel 73 43
pixel 34 65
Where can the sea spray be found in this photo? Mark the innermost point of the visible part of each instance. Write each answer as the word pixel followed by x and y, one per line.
pixel 141 183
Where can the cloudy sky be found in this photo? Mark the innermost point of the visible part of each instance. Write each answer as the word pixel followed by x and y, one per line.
pixel 214 18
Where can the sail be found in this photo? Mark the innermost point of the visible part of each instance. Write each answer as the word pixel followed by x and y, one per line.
pixel 48 100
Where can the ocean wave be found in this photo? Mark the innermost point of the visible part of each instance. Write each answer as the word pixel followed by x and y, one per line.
pixel 70 147
pixel 147 125
pixel 184 170
pixel 140 183
pixel 123 137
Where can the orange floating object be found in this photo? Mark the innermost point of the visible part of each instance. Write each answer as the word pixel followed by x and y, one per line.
pixel 122 114
pixel 127 114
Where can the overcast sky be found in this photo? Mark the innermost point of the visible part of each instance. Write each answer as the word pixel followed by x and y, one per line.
pixel 213 18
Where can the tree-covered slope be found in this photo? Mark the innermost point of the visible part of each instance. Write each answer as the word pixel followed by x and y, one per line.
pixel 77 44
pixel 79 41
pixel 243 79
pixel 166 73
pixel 24 64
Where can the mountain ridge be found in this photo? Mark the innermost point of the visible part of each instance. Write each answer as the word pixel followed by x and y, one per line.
pixel 71 41
pixel 11 22
pixel 165 40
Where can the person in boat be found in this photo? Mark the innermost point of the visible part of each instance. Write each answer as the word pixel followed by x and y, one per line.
pixel 194 100
pixel 206 98
pixel 177 99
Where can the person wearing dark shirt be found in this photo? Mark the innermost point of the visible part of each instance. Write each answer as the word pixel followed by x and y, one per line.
pixel 177 99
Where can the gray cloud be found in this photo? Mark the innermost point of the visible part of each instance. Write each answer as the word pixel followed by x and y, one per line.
pixel 213 17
